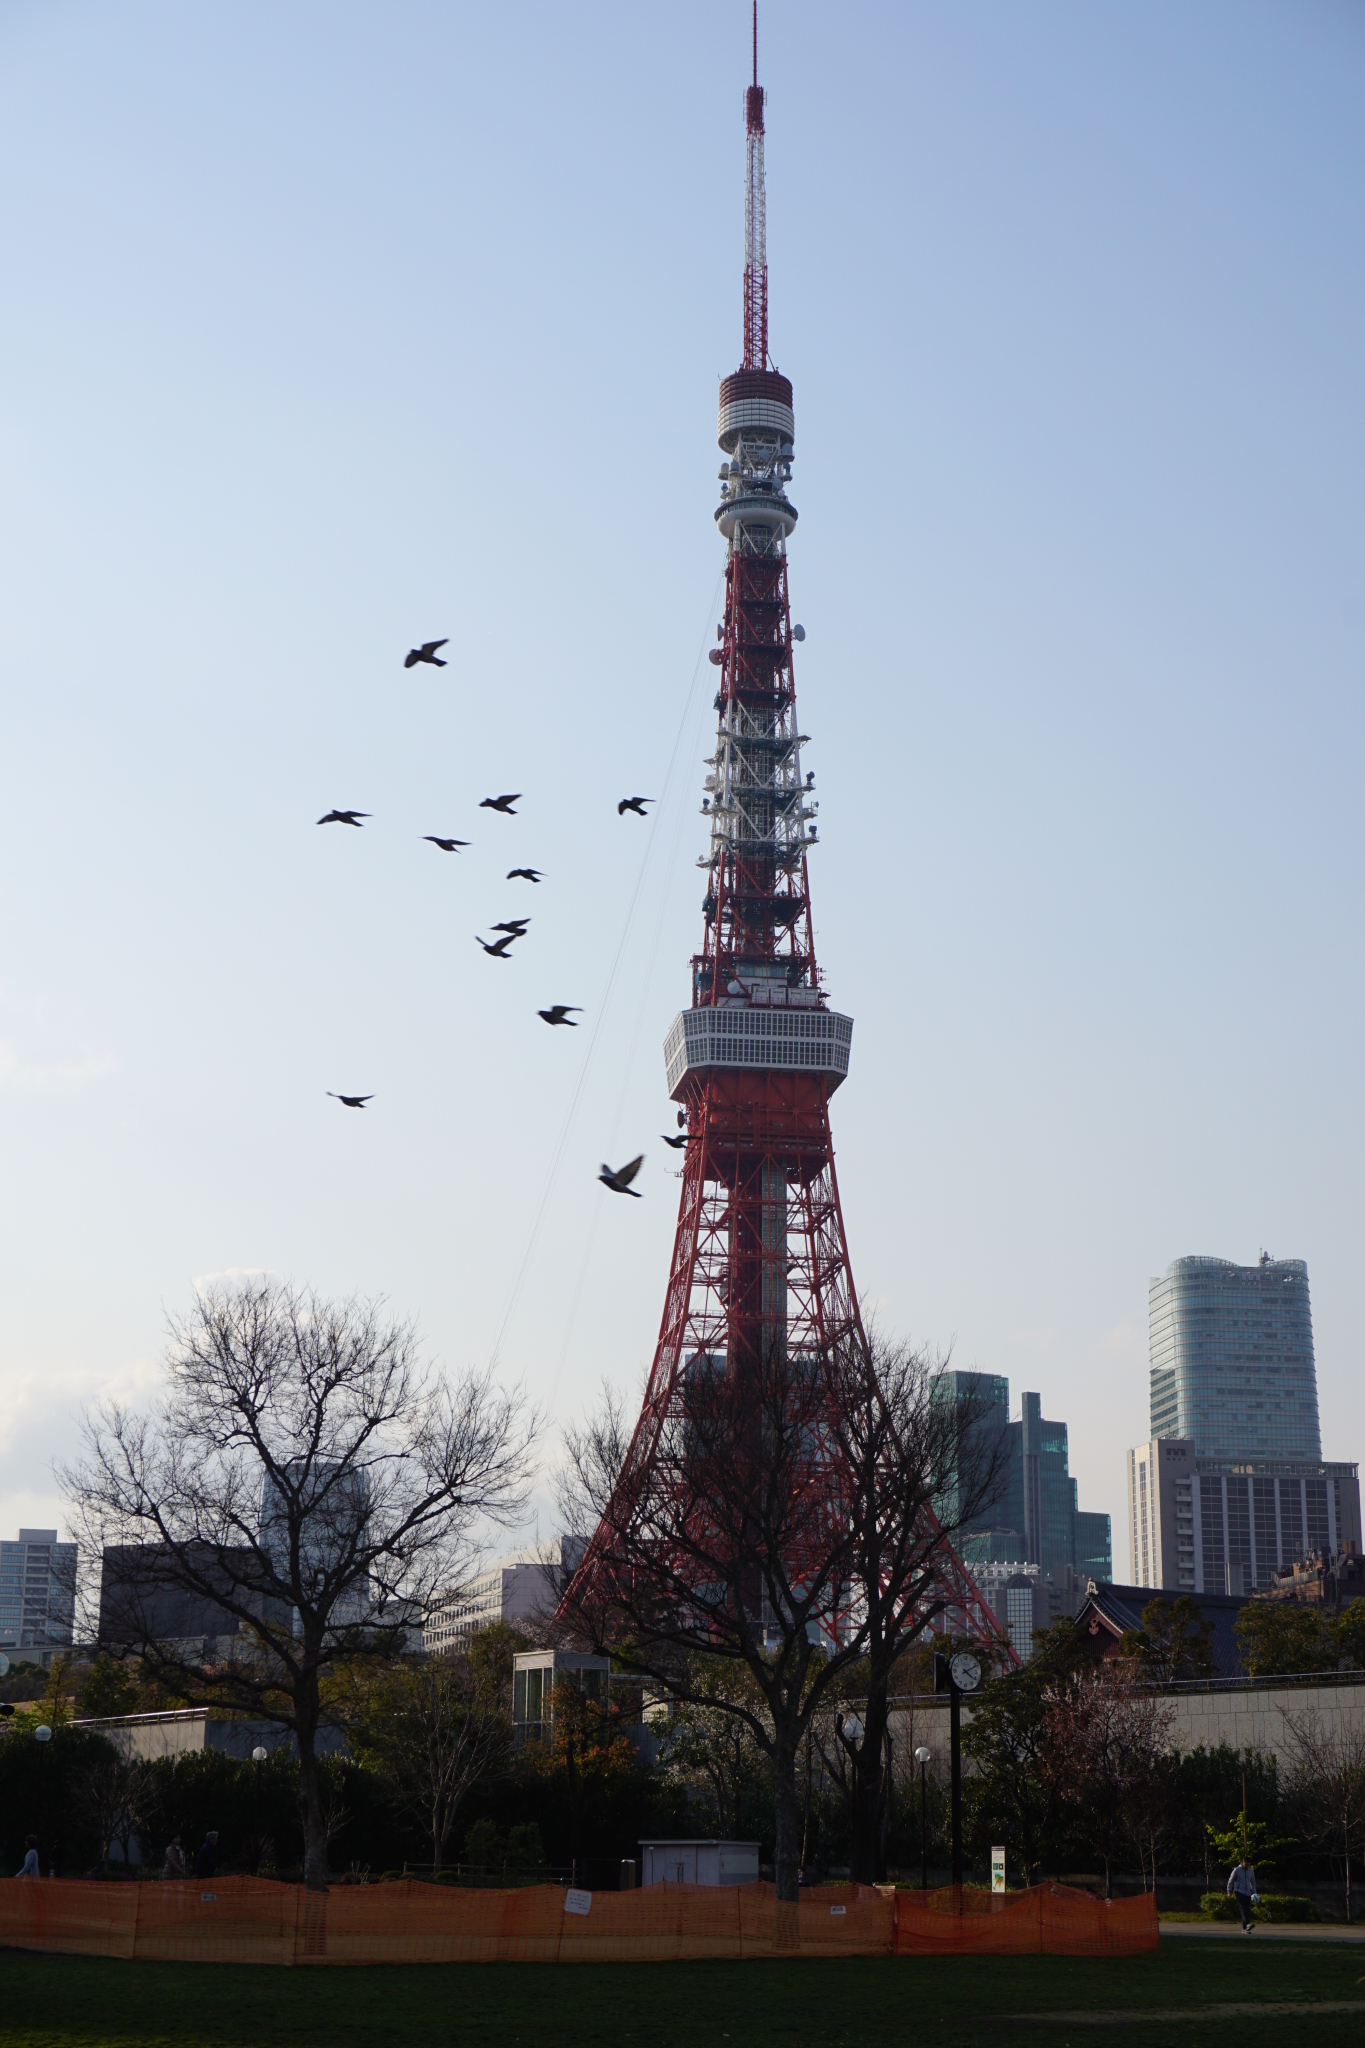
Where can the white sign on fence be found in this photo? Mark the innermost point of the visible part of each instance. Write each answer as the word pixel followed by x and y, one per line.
pixel 997 1870
pixel 577 1902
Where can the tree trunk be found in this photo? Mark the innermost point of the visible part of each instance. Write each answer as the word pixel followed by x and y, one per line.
pixel 867 1791
pixel 788 1820
pixel 314 1827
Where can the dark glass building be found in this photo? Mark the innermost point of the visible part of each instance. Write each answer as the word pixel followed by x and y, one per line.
pixel 1034 1518
pixel 1231 1353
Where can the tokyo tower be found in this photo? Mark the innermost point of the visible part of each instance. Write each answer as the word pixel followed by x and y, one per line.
pixel 760 1266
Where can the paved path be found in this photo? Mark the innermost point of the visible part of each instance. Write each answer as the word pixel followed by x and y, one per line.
pixel 1272 2008
pixel 1221 1930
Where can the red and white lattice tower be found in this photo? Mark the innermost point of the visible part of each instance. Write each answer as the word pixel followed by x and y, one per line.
pixel 760 1262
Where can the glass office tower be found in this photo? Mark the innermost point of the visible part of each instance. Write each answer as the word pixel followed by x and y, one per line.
pixel 1231 1352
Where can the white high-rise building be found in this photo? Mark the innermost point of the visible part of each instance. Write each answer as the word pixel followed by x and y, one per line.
pixel 37 1596
pixel 523 1586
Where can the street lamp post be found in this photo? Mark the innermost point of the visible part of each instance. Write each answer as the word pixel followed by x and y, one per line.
pixel 258 1757
pixel 42 1736
pixel 922 1758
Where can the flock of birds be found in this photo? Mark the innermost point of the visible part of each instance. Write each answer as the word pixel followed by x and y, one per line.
pixel 618 1178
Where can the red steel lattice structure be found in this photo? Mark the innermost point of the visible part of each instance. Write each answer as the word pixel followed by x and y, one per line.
pixel 760 1266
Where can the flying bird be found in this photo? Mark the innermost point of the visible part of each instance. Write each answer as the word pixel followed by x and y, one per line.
pixel 502 803
pixel 559 1014
pixel 633 803
pixel 515 925
pixel 677 1143
pixel 426 652
pixel 498 951
pixel 344 818
pixel 350 1101
pixel 619 1179
pixel 523 874
pixel 446 845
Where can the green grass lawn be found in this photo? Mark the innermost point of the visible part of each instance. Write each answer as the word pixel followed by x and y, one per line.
pixel 79 2002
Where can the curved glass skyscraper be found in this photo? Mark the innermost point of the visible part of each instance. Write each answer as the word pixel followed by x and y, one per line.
pixel 1231 1351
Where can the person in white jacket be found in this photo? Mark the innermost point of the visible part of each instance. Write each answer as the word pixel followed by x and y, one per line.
pixel 1242 1887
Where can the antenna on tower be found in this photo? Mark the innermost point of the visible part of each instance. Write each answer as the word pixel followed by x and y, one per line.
pixel 755 226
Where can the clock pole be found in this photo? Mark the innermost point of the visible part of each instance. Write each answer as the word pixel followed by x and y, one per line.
pixel 955 1738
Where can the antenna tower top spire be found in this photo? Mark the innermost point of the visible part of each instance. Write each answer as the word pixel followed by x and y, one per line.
pixel 755 226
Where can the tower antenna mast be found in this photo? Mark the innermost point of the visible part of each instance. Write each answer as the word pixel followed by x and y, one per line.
pixel 755 226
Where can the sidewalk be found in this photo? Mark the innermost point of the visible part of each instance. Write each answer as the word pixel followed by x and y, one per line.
pixel 1223 1930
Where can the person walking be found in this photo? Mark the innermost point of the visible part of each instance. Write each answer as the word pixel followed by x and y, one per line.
pixel 29 1866
pixel 1242 1887
pixel 207 1858
pixel 174 1866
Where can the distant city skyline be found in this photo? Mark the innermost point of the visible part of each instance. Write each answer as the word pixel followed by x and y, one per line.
pixel 293 381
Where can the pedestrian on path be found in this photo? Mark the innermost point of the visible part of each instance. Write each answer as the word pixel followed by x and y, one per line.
pixel 1242 1887
pixel 175 1859
pixel 29 1866
pixel 207 1858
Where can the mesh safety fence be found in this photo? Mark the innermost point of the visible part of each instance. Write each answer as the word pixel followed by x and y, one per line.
pixel 253 1920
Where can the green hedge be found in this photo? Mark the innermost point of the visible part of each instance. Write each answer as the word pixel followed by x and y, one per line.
pixel 1276 1907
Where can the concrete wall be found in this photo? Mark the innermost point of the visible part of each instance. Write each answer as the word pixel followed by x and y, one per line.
pixel 1246 1717
pixel 147 1736
pixel 1261 1716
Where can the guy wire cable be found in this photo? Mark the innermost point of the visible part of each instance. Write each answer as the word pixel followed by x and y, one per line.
pixel 625 1080
pixel 525 1260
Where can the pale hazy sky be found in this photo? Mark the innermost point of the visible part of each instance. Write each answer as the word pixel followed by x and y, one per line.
pixel 331 327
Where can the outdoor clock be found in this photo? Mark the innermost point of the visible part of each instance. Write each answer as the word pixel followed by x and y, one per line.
pixel 966 1671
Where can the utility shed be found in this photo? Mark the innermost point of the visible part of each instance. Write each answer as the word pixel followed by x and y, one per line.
pixel 699 1862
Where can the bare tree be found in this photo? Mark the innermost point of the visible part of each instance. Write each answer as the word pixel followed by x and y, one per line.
pixel 106 1793
pixel 780 1517
pixel 1108 1739
pixel 433 1727
pixel 924 1463
pixel 298 1493
pixel 1327 1787
pixel 713 1750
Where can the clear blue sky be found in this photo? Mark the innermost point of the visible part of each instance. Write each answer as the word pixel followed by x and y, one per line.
pixel 332 327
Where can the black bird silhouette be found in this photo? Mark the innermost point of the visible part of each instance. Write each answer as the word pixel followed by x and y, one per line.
pixel 677 1143
pixel 350 1101
pixel 633 803
pixel 515 925
pixel 502 803
pixel 446 845
pixel 523 874
pixel 619 1178
pixel 426 652
pixel 344 818
pixel 499 951
pixel 559 1014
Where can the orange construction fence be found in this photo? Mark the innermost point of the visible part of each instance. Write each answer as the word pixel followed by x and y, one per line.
pixel 252 1920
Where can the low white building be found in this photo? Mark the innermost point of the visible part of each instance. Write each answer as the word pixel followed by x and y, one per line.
pixel 699 1862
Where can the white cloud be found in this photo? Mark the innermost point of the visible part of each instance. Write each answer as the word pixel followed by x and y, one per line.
pixel 29 1077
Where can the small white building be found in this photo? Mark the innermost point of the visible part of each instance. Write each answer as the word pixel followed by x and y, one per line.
pixel 699 1862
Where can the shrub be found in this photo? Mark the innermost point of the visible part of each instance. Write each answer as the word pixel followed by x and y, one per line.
pixel 1279 1908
